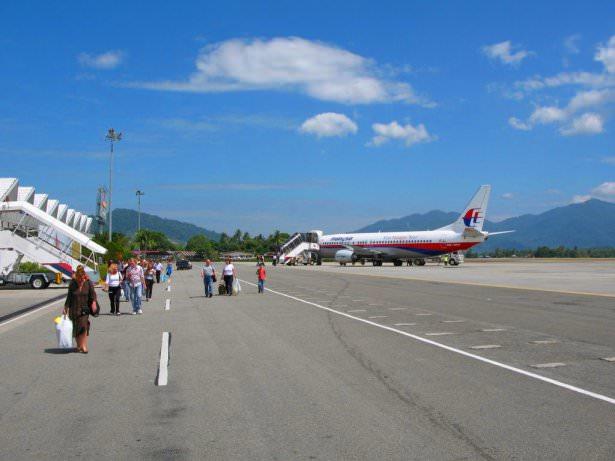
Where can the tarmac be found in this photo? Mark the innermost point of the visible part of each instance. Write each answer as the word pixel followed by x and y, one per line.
pixel 327 364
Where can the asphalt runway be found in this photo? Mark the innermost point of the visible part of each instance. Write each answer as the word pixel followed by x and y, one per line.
pixel 13 299
pixel 330 366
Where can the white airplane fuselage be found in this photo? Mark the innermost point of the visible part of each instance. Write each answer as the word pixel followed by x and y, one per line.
pixel 397 245
pixel 460 235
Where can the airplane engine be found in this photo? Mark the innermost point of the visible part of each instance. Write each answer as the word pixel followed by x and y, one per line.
pixel 345 256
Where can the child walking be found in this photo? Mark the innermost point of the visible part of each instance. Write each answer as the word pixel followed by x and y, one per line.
pixel 262 276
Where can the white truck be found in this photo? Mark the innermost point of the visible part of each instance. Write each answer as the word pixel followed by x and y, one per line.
pixel 36 280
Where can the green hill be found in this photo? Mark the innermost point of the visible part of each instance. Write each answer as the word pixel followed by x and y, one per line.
pixel 125 221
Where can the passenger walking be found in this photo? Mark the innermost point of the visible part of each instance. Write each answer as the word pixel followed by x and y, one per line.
pixel 122 267
pixel 229 274
pixel 136 281
pixel 158 268
pixel 114 287
pixel 208 274
pixel 261 273
pixel 150 274
pixel 80 303
pixel 169 270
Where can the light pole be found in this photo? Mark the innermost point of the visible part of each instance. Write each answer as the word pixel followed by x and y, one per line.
pixel 112 137
pixel 139 194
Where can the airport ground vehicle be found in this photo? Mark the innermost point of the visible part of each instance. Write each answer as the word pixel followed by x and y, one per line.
pixel 36 280
pixel 183 264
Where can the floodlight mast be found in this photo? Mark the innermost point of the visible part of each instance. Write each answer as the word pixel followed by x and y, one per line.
pixel 139 194
pixel 112 137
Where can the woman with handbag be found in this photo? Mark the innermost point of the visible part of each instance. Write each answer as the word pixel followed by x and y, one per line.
pixel 113 284
pixel 80 302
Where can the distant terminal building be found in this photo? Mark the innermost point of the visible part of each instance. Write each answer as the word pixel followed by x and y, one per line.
pixel 237 255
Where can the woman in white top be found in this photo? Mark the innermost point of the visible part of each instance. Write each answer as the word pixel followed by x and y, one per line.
pixel 114 287
pixel 229 274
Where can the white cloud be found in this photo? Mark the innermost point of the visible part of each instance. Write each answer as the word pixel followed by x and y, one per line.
pixel 319 70
pixel 588 123
pixel 508 195
pixel 584 99
pixel 606 55
pixel 107 60
pixel 329 124
pixel 571 43
pixel 581 198
pixel 606 190
pixel 588 79
pixel 608 160
pixel 503 52
pixel 519 124
pixel 408 133
pixel 547 115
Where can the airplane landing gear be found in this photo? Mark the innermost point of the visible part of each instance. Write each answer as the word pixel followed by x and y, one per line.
pixel 397 262
pixel 419 262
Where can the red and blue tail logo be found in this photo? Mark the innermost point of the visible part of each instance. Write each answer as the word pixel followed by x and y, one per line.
pixel 471 217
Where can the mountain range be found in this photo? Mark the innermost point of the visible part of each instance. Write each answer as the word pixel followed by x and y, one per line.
pixel 590 224
pixel 585 225
pixel 125 221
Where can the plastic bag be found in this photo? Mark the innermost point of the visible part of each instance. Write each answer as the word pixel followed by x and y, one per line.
pixel 64 332
pixel 236 286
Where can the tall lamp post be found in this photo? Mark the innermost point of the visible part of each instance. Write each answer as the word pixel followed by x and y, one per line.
pixel 139 194
pixel 112 137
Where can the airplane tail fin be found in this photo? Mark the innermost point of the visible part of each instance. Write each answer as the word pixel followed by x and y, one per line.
pixel 473 215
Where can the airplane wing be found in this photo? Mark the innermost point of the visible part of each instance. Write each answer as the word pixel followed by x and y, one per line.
pixel 361 250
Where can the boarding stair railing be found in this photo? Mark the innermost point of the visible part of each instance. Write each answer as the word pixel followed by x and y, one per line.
pixel 299 247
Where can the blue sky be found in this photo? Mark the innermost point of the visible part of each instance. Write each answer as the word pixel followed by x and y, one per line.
pixel 326 115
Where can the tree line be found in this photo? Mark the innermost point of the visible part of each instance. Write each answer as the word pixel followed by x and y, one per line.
pixel 146 239
pixel 546 252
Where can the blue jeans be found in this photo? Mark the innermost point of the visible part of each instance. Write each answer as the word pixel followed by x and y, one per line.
pixel 126 287
pixel 209 287
pixel 261 286
pixel 135 295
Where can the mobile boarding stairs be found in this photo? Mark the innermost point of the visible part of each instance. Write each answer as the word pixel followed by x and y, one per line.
pixel 43 231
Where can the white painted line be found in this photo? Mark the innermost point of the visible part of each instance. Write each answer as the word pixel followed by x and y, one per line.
pixel 493 329
pixel 163 367
pixel 377 317
pixel 167 305
pixel 467 354
pixel 608 359
pixel 440 333
pixel 453 321
pixel 545 341
pixel 404 324
pixel 169 288
pixel 424 314
pixel 358 310
pixel 376 305
pixel 549 365
pixel 398 308
pixel 58 301
pixel 486 346
pixel 357 300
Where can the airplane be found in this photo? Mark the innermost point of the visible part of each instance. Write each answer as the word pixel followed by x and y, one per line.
pixel 412 246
